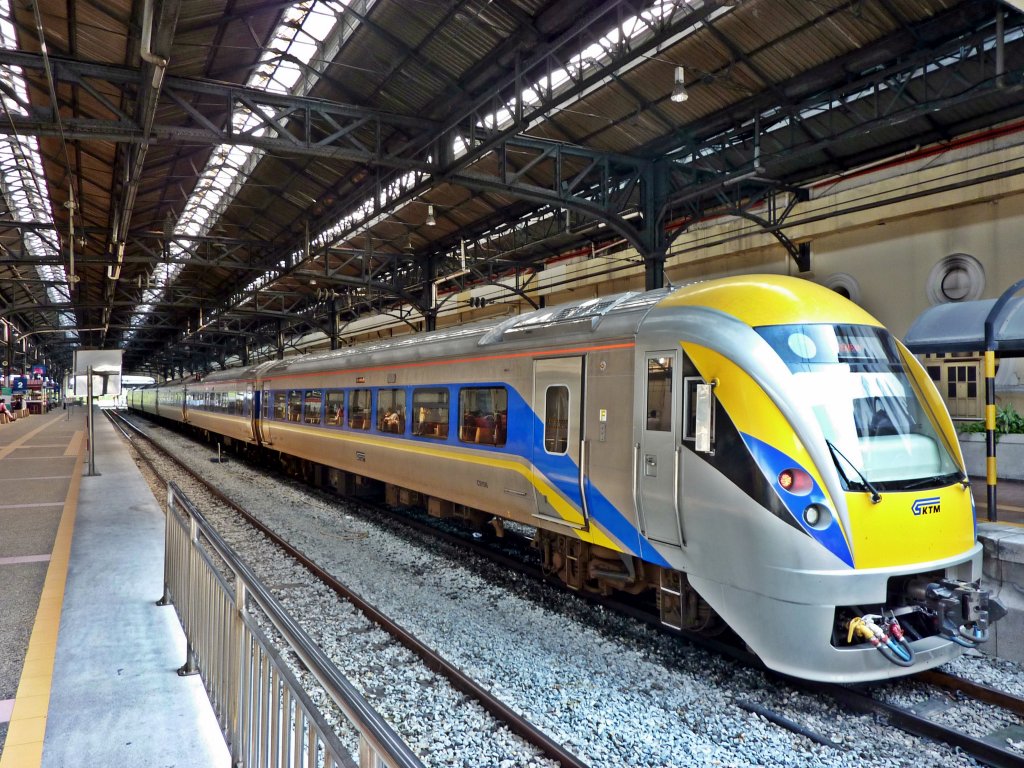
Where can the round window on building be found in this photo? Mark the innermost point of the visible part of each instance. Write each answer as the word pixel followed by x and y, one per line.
pixel 958 277
pixel 845 285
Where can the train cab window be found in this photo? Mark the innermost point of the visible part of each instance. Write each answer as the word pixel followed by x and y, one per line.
pixel 280 405
pixel 391 411
pixel 659 394
pixel 335 409
pixel 359 409
pixel 430 411
pixel 311 406
pixel 556 420
pixel 483 415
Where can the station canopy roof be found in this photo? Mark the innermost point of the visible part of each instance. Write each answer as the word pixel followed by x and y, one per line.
pixel 198 181
pixel 960 327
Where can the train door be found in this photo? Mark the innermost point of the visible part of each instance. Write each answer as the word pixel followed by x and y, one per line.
pixel 659 452
pixel 252 403
pixel 266 405
pixel 558 403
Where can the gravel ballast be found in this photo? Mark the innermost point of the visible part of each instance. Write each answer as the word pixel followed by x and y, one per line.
pixel 609 689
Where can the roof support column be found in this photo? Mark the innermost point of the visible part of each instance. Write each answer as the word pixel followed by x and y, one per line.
pixel 279 341
pixel 654 193
pixel 428 299
pixel 332 309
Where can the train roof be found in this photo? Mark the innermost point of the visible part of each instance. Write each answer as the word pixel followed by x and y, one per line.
pixel 757 300
pixel 607 316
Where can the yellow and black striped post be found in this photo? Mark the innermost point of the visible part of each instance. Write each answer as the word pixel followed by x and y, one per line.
pixel 990 431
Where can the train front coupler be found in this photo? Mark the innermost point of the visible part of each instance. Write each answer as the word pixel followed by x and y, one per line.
pixel 960 611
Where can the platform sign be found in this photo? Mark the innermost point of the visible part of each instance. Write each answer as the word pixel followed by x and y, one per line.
pixel 19 385
pixel 106 372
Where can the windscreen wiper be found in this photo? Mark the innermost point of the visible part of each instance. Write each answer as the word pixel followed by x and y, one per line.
pixel 836 455
pixel 936 480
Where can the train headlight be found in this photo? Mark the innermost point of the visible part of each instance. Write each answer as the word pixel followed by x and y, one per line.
pixel 817 516
pixel 795 481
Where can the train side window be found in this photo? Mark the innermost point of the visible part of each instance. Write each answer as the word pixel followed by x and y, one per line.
pixel 556 419
pixel 295 405
pixel 430 410
pixel 483 415
pixel 335 407
pixel 311 406
pixel 280 405
pixel 659 394
pixel 391 411
pixel 359 409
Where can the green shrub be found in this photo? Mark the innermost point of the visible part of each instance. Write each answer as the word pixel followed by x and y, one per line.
pixel 1008 422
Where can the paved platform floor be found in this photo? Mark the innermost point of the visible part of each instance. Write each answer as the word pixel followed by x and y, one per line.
pixel 87 660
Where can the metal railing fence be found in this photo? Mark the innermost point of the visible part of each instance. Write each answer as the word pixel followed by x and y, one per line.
pixel 267 718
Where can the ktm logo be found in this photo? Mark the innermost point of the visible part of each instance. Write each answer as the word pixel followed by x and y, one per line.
pixel 927 506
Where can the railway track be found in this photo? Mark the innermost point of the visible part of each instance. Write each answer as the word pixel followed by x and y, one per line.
pixel 917 721
pixel 924 719
pixel 436 663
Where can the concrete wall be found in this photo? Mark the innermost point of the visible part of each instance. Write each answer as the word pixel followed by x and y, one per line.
pixel 1004 578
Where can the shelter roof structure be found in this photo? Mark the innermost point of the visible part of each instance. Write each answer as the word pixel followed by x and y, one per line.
pixel 971 326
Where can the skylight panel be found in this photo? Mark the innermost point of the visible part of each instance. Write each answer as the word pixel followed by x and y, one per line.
pixel 310 34
pixel 22 182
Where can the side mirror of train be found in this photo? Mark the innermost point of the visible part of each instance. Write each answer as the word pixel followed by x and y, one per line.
pixel 704 431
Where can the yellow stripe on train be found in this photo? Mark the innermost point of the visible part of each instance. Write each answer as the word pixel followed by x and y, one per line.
pixel 812 304
pixel 752 411
pixel 595 534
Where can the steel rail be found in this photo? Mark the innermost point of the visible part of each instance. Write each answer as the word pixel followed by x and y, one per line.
pixel 907 721
pixel 434 661
pixel 975 690
pixel 910 722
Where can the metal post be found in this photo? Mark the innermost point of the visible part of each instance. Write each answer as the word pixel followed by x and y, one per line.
pixel 990 432
pixel 89 421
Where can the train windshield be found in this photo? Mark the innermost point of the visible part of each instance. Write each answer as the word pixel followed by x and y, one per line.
pixel 866 403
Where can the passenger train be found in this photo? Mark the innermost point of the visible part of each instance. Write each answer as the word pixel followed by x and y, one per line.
pixel 756 451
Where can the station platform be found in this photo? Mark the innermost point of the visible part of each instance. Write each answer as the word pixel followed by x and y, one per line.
pixel 88 660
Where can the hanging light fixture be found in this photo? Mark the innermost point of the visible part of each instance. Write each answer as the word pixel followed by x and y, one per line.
pixel 679 93
pixel 431 221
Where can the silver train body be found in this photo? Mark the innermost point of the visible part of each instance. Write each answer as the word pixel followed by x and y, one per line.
pixel 675 442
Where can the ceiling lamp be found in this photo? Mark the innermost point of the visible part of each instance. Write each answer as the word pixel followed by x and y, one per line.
pixel 679 93
pixel 431 221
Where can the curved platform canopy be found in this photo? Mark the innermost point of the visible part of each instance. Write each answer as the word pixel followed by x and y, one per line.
pixel 961 326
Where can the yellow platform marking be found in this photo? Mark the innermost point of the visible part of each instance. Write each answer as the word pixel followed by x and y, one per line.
pixel 23 747
pixel 75 446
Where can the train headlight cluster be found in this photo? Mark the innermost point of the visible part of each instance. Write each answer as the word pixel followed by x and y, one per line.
pixel 796 481
pixel 817 516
